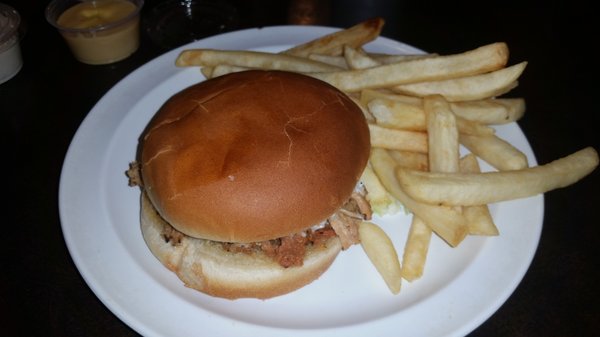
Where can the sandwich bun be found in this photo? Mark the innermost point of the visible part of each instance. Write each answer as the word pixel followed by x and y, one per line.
pixel 253 155
pixel 205 266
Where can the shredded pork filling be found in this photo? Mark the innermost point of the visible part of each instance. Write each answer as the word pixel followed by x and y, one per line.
pixel 289 251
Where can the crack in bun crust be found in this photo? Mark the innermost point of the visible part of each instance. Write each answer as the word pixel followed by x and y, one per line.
pixel 254 155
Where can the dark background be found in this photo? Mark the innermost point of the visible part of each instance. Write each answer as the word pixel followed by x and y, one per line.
pixel 41 291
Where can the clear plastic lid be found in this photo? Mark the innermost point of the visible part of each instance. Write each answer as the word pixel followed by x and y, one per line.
pixel 9 25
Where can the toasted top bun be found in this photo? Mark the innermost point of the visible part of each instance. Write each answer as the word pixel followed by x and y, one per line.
pixel 253 156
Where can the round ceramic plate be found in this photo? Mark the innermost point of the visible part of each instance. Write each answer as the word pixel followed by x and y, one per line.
pixel 460 289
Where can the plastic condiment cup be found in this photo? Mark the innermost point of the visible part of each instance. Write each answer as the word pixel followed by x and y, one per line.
pixel 10 50
pixel 98 31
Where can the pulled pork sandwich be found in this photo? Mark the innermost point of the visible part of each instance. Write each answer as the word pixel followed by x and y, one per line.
pixel 250 182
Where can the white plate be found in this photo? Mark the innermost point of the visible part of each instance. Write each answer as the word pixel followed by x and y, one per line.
pixel 460 289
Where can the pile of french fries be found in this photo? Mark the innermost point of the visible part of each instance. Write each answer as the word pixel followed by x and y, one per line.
pixel 421 109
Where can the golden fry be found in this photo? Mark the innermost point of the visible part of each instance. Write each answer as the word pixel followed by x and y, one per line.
pixel 380 250
pixel 415 250
pixel 467 189
pixel 412 160
pixel 250 59
pixel 397 115
pixel 488 111
pixel 495 151
pixel 491 111
pixel 442 135
pixel 338 61
pixel 479 219
pixel 467 88
pixel 357 59
pixel 395 58
pixel 398 139
pixel 333 44
pixel 481 60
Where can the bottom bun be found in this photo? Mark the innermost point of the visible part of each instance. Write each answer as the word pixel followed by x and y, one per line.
pixel 205 266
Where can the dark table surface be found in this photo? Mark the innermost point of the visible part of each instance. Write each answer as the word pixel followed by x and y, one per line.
pixel 41 291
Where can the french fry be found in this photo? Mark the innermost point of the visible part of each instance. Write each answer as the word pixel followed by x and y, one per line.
pixel 481 60
pixel 338 61
pixel 443 156
pixel 367 95
pixel 397 115
pixel 394 139
pixel 395 58
pixel 207 72
pixel 250 59
pixel 486 111
pixel 468 127
pixel 496 151
pixel 380 250
pixel 332 44
pixel 445 222
pixel 467 189
pixel 357 59
pixel 415 250
pixel 362 59
pixel 223 69
pixel 442 133
pixel 412 160
pixel 479 219
pixel 467 88
pixel 400 114
pixel 490 111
